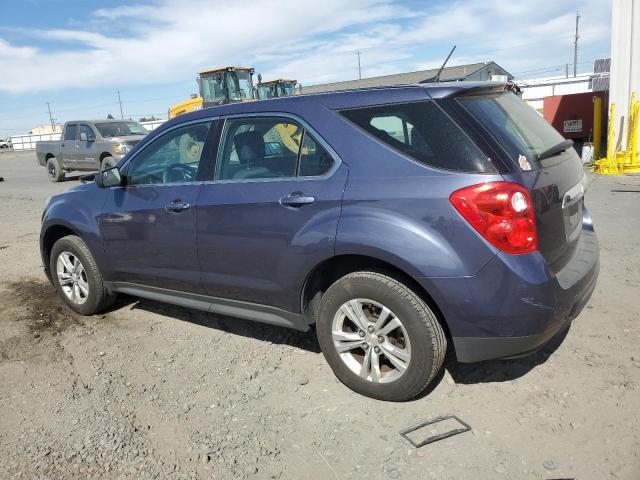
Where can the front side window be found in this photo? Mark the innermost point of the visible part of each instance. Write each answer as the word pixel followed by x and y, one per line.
pixel 86 129
pixel 172 157
pixel 120 129
pixel 422 131
pixel 269 147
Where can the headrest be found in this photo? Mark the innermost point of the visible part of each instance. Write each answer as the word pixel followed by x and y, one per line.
pixel 249 146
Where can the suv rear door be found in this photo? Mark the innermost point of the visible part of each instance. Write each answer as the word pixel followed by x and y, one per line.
pixel 271 213
pixel 554 179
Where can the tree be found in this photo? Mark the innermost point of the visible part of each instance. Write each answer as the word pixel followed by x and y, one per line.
pixel 109 117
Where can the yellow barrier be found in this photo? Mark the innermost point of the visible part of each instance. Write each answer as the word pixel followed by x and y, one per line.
pixel 622 161
pixel 597 126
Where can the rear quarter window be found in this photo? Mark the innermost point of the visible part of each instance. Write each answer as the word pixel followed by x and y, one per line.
pixel 423 132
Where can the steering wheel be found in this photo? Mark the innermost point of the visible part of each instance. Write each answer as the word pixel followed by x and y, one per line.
pixel 178 172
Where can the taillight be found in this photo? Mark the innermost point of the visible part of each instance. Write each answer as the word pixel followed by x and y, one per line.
pixel 502 212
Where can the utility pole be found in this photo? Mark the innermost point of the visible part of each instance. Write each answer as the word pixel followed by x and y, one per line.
pixel 53 126
pixel 120 102
pixel 575 47
pixel 359 67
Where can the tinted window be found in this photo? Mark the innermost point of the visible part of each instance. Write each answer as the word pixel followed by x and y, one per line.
pixel 422 131
pixel 86 130
pixel 70 132
pixel 259 148
pixel 119 129
pixel 314 159
pixel 172 157
pixel 517 126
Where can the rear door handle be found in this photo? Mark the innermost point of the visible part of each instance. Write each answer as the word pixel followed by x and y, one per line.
pixel 297 200
pixel 177 206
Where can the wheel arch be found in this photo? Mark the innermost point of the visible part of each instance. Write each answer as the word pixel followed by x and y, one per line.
pixel 327 272
pixel 51 235
pixel 104 155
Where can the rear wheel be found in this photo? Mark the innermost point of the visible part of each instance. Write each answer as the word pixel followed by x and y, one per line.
pixel 379 337
pixel 107 163
pixel 54 171
pixel 77 278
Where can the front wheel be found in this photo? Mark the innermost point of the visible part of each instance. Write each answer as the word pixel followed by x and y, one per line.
pixel 77 278
pixel 379 337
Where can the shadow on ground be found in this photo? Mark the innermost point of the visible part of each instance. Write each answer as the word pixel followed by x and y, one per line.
pixel 43 309
pixel 236 326
pixel 501 370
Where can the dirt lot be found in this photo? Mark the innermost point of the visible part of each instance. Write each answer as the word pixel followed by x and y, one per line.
pixel 154 391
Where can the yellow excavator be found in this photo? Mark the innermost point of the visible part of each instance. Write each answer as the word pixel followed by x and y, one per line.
pixel 275 88
pixel 217 87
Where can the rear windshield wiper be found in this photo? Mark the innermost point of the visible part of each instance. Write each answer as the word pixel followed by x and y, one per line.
pixel 556 149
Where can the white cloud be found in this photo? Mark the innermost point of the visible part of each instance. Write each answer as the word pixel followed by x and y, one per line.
pixel 312 41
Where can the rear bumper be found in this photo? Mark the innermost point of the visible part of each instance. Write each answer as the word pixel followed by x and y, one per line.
pixel 515 305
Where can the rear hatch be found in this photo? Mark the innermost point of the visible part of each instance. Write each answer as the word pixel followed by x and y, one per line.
pixel 538 157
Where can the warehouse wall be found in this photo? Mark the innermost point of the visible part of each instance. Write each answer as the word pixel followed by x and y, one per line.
pixel 625 59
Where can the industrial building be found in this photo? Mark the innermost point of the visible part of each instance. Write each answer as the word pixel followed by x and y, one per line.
pixel 474 71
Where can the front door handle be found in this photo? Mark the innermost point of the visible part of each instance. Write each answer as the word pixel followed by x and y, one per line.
pixel 178 206
pixel 297 200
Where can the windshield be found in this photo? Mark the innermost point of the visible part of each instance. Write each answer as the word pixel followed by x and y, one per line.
pixel 240 85
pixel 517 126
pixel 286 89
pixel 120 129
pixel 212 87
pixel 266 91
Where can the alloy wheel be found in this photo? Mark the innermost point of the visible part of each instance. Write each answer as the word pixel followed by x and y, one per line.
pixel 72 277
pixel 371 340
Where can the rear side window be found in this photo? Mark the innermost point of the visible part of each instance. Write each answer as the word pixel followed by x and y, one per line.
pixel 269 147
pixel 518 127
pixel 70 132
pixel 422 131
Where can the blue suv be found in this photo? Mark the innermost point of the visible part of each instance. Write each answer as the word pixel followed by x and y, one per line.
pixel 394 220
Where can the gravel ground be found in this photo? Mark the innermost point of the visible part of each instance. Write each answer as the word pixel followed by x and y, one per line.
pixel 149 390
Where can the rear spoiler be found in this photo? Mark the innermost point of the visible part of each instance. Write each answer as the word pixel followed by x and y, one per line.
pixel 489 88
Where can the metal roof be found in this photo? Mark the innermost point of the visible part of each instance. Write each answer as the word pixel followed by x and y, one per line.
pixel 460 72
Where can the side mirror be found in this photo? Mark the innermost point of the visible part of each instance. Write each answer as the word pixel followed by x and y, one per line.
pixel 109 178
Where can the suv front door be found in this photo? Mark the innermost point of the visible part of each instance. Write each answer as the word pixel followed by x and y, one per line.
pixel 148 225
pixel 271 213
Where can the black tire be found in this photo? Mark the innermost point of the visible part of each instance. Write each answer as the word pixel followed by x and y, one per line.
pixel 98 297
pixel 107 163
pixel 54 170
pixel 426 336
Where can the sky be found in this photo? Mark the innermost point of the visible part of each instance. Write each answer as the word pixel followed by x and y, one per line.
pixel 78 54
